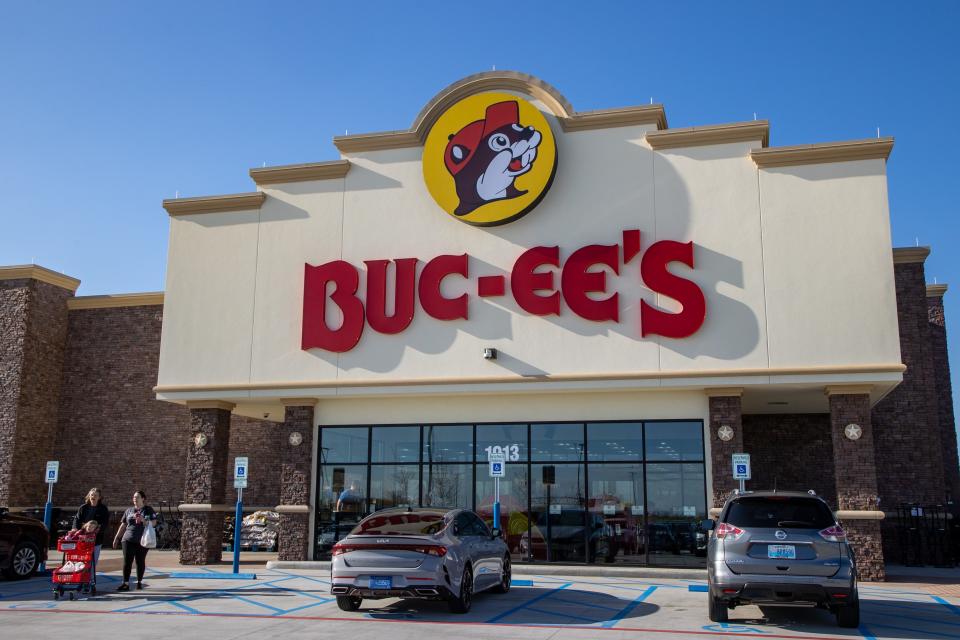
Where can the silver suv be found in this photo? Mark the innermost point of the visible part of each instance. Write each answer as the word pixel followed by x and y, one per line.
pixel 780 548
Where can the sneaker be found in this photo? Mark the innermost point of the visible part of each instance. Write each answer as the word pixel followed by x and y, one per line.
pixel 123 587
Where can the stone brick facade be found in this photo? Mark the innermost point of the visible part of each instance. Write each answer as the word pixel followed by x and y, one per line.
pixel 944 393
pixel 725 410
pixel 806 464
pixel 296 475
pixel 202 539
pixel 855 471
pixel 33 330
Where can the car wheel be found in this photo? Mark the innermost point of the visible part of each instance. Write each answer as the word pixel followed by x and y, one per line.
pixel 349 603
pixel 718 610
pixel 463 602
pixel 23 561
pixel 504 585
pixel 848 615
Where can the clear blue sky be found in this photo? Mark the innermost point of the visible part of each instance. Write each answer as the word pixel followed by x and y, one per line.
pixel 107 108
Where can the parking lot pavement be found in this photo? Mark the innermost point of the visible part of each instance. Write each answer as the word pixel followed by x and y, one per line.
pixel 295 603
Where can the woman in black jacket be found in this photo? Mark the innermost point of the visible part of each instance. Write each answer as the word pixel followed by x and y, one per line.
pixel 93 509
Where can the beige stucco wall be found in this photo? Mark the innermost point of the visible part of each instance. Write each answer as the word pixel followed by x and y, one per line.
pixel 794 262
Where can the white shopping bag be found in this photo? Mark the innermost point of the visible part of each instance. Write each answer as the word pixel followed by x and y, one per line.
pixel 149 538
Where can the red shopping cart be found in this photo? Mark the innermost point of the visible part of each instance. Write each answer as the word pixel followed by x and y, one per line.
pixel 78 573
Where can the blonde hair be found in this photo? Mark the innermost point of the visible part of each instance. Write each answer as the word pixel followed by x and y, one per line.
pixel 91 524
pixel 93 490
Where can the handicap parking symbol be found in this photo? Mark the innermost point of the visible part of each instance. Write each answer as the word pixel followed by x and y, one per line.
pixel 732 628
pixel 497 467
pixel 741 468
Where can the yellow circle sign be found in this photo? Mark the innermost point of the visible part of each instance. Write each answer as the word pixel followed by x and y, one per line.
pixel 489 159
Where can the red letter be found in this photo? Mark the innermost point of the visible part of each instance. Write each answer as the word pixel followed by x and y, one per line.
pixel 316 333
pixel 403 295
pixel 431 299
pixel 525 283
pixel 576 281
pixel 653 269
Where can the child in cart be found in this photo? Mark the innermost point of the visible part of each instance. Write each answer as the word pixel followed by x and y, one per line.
pixel 78 573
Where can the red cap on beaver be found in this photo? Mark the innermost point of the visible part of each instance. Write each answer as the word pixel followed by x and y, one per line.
pixel 464 143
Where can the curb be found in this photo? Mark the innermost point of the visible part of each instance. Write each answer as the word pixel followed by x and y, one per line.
pixel 664 573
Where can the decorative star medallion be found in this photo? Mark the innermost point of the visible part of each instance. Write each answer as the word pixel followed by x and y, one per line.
pixel 295 439
pixel 725 433
pixel 853 431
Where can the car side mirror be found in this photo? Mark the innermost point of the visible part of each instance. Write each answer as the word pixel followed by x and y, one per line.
pixel 707 525
pixel 496 533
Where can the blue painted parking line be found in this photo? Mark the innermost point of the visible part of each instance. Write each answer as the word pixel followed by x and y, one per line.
pixel 306 606
pixel 522 583
pixel 866 633
pixel 698 588
pixel 506 613
pixel 951 607
pixel 583 604
pixel 630 607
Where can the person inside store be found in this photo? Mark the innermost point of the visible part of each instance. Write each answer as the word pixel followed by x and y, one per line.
pixel 93 509
pixel 135 520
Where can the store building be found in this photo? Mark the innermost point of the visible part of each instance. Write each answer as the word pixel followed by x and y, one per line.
pixel 615 306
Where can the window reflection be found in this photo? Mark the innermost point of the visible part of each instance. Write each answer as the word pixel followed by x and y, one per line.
pixel 556 442
pixel 448 485
pixel 447 443
pixel 343 444
pixel 395 444
pixel 674 441
pixel 615 441
pixel 394 485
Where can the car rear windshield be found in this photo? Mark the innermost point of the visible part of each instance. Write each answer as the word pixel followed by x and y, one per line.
pixel 780 513
pixel 407 523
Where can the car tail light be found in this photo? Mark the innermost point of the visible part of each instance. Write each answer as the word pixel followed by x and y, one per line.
pixel 426 549
pixel 834 534
pixel 725 530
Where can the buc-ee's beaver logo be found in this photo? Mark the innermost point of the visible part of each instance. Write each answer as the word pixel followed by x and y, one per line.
pixel 489 159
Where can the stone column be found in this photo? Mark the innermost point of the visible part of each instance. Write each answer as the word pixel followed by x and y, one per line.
pixel 726 438
pixel 296 474
pixel 856 476
pixel 941 376
pixel 201 538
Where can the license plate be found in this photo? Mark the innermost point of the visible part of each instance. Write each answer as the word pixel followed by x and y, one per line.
pixel 787 551
pixel 381 582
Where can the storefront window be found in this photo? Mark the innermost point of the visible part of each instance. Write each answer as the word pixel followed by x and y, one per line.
pixel 560 530
pixel 615 441
pixel 674 441
pixel 507 439
pixel 616 500
pixel 601 492
pixel 395 444
pixel 676 502
pixel 556 442
pixel 394 485
pixel 514 517
pixel 447 443
pixel 448 485
pixel 343 444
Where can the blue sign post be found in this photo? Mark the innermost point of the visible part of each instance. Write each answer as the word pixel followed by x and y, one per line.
pixel 498 464
pixel 51 477
pixel 241 470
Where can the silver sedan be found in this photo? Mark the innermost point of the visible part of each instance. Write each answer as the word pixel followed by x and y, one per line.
pixel 425 553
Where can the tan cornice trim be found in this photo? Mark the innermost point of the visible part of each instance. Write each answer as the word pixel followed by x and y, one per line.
pixel 847 389
pixel 118 300
pixel 210 404
pixel 215 204
pixel 301 172
pixel 757 130
pixel 504 81
pixel 646 375
pixel 298 402
pixel 724 392
pixel 868 149
pixel 36 272
pixel 204 507
pixel 859 515
pixel 904 255
pixel 292 508
pixel 936 290
pixel 609 118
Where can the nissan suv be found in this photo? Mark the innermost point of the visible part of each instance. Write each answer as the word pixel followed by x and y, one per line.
pixel 23 545
pixel 774 548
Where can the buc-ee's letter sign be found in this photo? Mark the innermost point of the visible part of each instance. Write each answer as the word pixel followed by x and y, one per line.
pixel 531 284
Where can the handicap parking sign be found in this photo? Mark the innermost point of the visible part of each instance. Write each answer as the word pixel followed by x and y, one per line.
pixel 741 469
pixel 497 466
